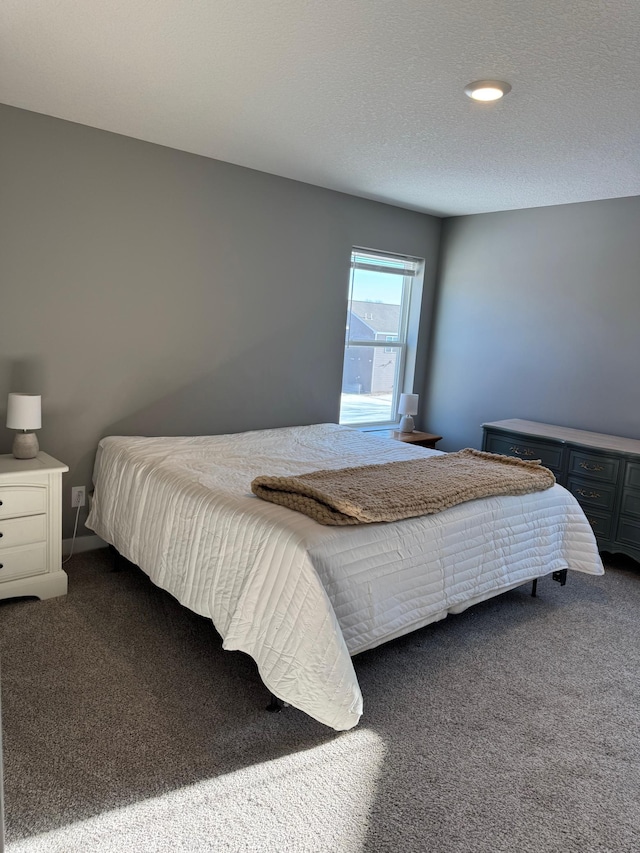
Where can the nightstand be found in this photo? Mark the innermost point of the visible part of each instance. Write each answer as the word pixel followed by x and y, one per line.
pixel 31 527
pixel 422 439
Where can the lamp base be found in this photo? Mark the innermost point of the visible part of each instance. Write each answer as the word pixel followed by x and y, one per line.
pixel 406 424
pixel 25 445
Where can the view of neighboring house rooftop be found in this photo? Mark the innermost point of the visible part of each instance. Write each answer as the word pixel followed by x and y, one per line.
pixel 379 316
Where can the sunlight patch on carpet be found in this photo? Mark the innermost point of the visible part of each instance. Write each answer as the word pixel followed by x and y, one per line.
pixel 317 799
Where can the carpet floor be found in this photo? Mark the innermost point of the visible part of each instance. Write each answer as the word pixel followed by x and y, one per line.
pixel 514 726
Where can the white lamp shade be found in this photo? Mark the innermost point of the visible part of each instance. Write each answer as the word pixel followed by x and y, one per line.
pixel 24 411
pixel 408 404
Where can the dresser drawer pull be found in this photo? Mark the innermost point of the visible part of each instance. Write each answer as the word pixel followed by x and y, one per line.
pixel 585 494
pixel 594 522
pixel 588 467
pixel 522 451
pixel 1 565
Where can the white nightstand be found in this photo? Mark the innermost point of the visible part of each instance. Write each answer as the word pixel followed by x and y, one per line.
pixel 31 527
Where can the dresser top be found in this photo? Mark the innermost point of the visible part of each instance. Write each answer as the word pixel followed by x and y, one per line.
pixel 568 435
pixel 40 464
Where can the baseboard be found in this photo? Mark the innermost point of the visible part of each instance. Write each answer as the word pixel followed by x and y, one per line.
pixel 83 543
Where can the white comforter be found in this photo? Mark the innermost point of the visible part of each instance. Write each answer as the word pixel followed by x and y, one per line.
pixel 301 598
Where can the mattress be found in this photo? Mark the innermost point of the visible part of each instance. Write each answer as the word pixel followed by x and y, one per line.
pixel 299 597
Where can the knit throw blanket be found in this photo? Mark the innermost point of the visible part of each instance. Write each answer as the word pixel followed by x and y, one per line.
pixel 394 490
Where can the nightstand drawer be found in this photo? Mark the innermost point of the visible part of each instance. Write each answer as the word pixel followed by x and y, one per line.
pixel 22 562
pixel 22 531
pixel 593 466
pixel 16 501
pixel 591 494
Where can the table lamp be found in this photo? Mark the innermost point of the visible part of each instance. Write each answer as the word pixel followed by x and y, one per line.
pixel 408 407
pixel 24 414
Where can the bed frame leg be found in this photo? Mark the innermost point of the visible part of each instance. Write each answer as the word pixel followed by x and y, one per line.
pixel 275 705
pixel 560 576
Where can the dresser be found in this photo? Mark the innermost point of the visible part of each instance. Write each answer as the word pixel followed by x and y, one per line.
pixel 601 471
pixel 31 527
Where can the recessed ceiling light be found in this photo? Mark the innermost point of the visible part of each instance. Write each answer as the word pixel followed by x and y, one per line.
pixel 487 90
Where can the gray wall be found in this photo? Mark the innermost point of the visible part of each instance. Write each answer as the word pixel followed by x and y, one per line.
pixel 538 317
pixel 150 291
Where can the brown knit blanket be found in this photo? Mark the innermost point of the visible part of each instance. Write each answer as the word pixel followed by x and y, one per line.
pixel 394 490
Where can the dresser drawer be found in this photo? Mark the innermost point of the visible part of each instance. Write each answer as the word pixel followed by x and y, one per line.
pixel 16 501
pixel 22 531
pixel 630 503
pixel 524 448
pixel 600 523
pixel 629 531
pixel 632 475
pixel 593 466
pixel 22 562
pixel 590 494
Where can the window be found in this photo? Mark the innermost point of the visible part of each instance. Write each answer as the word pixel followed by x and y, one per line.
pixel 384 299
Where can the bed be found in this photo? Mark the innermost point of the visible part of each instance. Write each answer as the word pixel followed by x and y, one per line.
pixel 302 598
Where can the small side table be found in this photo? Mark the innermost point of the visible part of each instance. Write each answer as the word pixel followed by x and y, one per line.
pixel 422 439
pixel 31 527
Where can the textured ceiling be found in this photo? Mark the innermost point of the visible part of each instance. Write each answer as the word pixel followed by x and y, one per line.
pixel 362 96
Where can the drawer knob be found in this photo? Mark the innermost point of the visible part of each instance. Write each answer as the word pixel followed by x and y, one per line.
pixel 588 467
pixel 1 565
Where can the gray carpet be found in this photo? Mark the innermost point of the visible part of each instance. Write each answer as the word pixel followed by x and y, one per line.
pixel 512 727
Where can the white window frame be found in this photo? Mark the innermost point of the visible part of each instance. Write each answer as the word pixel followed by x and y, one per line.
pixel 412 272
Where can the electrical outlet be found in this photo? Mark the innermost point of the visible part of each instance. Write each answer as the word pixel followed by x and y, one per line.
pixel 77 496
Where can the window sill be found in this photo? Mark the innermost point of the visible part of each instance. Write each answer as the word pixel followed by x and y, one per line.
pixel 378 427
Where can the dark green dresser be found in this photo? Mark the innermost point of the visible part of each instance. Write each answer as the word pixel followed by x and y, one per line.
pixel 601 471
